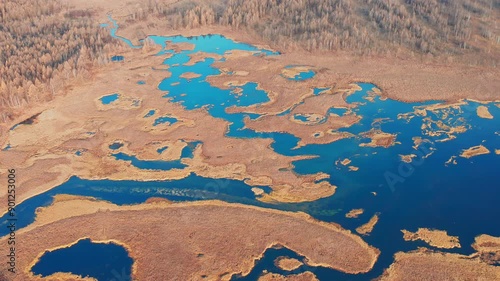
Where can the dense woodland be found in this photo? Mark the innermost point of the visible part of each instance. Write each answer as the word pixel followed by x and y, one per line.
pixel 423 27
pixel 44 46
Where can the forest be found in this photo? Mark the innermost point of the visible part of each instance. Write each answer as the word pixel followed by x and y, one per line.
pixel 43 47
pixel 437 28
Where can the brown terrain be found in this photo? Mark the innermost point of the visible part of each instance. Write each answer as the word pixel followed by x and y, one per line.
pixel 488 248
pixel 433 237
pixel 287 264
pixel 194 233
pixel 354 213
pixel 427 265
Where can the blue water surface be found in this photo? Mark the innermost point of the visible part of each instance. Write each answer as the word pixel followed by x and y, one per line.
pixel 150 113
pixel 102 261
pixel 301 76
pixel 109 98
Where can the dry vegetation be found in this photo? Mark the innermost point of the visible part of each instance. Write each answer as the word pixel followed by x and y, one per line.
pixel 196 234
pixel 43 45
pixel 433 237
pixel 424 264
pixel 434 28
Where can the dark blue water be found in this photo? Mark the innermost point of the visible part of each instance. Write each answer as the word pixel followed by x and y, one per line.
pixel 141 82
pixel 115 145
pixel 187 152
pixel 102 261
pixel 462 198
pixel 267 264
pixel 109 98
pixel 161 149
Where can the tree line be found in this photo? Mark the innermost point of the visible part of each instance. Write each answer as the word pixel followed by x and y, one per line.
pixel 426 27
pixel 43 45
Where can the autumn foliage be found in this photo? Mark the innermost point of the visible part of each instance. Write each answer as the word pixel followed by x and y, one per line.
pixel 424 27
pixel 43 46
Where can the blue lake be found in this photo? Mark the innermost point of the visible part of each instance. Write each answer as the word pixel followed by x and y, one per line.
pixel 165 119
pixel 150 113
pixel 109 98
pixel 102 261
pixel 461 198
pixel 115 145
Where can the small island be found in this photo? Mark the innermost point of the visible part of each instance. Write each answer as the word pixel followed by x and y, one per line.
pixel 367 228
pixel 483 112
pixel 474 151
pixel 287 264
pixel 433 237
pixel 354 213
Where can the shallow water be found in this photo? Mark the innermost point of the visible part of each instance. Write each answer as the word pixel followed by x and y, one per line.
pixel 150 165
pixel 165 119
pixel 109 98
pixel 117 58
